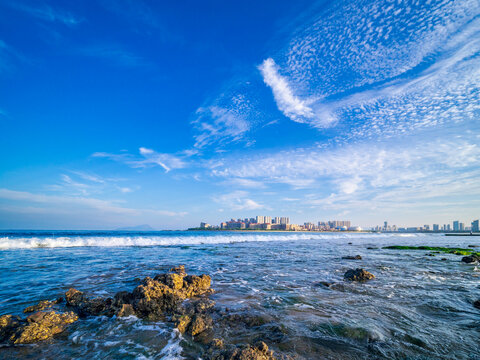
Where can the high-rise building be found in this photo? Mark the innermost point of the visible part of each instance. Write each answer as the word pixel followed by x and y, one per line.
pixel 461 226
pixel 260 219
pixel 436 227
pixel 276 220
pixel 268 219
pixel 426 227
pixel 449 227
pixel 385 225
pixel 285 220
pixel 456 225
pixel 475 226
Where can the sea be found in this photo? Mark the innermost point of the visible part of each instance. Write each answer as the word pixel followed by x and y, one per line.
pixel 417 307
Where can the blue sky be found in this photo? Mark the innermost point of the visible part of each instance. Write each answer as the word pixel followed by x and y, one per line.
pixel 121 113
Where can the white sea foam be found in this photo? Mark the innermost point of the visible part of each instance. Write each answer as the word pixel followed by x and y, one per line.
pixel 126 241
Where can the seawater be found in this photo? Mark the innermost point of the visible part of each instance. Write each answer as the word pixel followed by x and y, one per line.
pixel 417 307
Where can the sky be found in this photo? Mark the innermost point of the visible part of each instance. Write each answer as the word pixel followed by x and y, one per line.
pixel 130 112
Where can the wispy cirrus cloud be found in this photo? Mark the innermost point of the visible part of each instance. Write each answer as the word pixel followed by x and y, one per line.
pixel 116 54
pixel 73 203
pixel 47 13
pixel 148 158
pixel 237 200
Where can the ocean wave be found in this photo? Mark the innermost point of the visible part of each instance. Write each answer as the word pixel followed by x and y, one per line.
pixel 128 241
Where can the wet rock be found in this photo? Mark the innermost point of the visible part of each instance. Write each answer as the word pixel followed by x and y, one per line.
pixel 474 258
pixel 182 323
pixel 217 344
pixel 443 259
pixel 125 310
pixel 477 304
pixel 199 324
pixel 430 254
pixel 372 248
pixel 43 325
pixel 9 324
pixel 180 269
pixel 74 297
pixel 324 283
pixel 42 305
pixel 349 243
pixel 356 257
pixel 358 275
pixel 246 352
pixel 473 246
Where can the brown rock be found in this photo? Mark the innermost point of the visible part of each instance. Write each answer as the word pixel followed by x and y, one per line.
pixel 125 310
pixel 356 257
pixel 42 305
pixel 9 324
pixel 43 325
pixel 199 324
pixel 182 323
pixel 74 297
pixel 258 352
pixel 180 269
pixel 358 275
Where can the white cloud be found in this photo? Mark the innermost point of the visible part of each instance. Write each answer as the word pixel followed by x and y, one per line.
pixel 48 13
pixel 149 158
pixel 237 200
pixel 293 107
pixel 73 204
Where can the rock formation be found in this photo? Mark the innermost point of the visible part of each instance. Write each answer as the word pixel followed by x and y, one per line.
pixel 358 275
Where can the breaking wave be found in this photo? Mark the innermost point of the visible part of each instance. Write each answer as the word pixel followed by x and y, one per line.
pixel 29 242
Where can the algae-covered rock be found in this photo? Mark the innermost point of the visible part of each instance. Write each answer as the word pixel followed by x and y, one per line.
pixel 43 325
pixel 246 352
pixel 74 297
pixel 358 275
pixel 9 324
pixel 42 305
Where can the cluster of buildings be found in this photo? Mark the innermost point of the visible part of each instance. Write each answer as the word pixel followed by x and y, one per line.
pixel 457 226
pixel 280 223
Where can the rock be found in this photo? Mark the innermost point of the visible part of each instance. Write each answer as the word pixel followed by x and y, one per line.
pixel 43 325
pixel 74 297
pixel 247 352
pixel 443 259
pixel 9 324
pixel 356 257
pixel 42 305
pixel 180 269
pixel 324 283
pixel 477 304
pixel 217 344
pixel 125 310
pixel 349 243
pixel 474 258
pixel 372 248
pixel 182 323
pixel 473 246
pixel 358 275
pixel 199 324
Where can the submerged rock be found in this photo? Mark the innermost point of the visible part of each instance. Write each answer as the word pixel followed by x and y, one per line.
pixel 474 258
pixel 356 257
pixel 42 305
pixel 358 275
pixel 477 304
pixel 9 325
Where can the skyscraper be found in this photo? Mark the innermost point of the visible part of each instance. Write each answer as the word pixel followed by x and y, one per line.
pixel 475 226
pixel 456 226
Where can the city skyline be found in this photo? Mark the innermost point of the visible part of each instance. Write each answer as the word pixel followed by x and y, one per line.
pixel 121 113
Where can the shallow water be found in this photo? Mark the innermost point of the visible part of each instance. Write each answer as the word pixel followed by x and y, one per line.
pixel 417 307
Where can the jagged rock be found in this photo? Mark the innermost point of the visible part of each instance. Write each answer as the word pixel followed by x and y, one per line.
pixel 125 310
pixel 85 306
pixel 42 305
pixel 477 304
pixel 358 275
pixel 356 257
pixel 9 324
pixel 199 324
pixel 182 323
pixel 247 352
pixel 474 258
pixel 43 325
pixel 74 297
pixel 324 283
pixel 180 269
pixel 217 344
